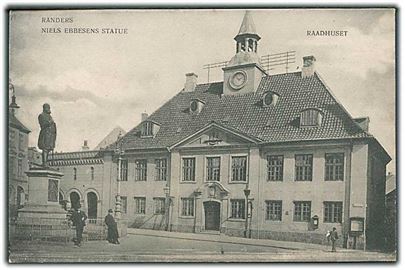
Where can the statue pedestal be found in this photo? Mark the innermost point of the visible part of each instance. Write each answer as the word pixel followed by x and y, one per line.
pixel 42 216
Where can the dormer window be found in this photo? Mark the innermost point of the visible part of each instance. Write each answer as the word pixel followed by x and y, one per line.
pixel 149 129
pixel 196 106
pixel 311 117
pixel 270 98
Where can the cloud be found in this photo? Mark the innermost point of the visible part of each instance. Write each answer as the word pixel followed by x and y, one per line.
pixel 68 95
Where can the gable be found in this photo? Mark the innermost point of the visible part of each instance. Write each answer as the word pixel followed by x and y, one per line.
pixel 215 135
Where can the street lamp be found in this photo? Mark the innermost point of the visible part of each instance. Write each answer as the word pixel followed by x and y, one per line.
pixel 166 190
pixel 119 152
pixel 247 193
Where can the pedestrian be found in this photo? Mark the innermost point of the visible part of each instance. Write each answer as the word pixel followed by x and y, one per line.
pixel 78 218
pixel 334 237
pixel 112 234
pixel 328 236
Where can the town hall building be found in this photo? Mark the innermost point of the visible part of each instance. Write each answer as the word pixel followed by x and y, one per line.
pixel 255 155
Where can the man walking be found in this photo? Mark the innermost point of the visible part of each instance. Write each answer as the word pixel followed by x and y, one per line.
pixel 78 218
pixel 112 234
pixel 334 237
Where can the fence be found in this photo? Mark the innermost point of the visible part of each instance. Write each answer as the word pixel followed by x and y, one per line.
pixel 54 229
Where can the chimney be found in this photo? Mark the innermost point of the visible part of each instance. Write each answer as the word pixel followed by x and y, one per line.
pixel 308 69
pixel 144 116
pixel 85 147
pixel 191 82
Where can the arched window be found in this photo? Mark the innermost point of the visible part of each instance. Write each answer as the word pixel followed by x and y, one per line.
pixel 74 174
pixel 92 173
pixel 311 117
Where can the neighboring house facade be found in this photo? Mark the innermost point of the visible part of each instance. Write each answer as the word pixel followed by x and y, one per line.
pixel 84 182
pixel 257 155
pixel 391 212
pixel 18 135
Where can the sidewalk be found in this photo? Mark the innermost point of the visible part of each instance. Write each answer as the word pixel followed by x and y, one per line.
pixel 222 238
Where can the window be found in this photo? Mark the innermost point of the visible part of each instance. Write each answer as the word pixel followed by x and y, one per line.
pixel 238 209
pixel 275 168
pixel 270 98
pixel 334 167
pixel 302 211
pixel 274 210
pixel 159 205
pixel 213 168
pixel 21 141
pixel 161 169
pixel 124 204
pixel 187 207
pixel 147 129
pixel 74 174
pixel 239 169
pixel 188 169
pixel 303 167
pixel 124 170
pixel 19 168
pixel 12 166
pixel 333 212
pixel 310 118
pixel 91 173
pixel 11 138
pixel 140 205
pixel 194 106
pixel 140 170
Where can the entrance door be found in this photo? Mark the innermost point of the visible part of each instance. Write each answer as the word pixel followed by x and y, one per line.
pixel 212 215
pixel 74 200
pixel 92 205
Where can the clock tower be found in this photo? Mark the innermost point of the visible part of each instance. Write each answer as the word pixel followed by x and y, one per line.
pixel 244 71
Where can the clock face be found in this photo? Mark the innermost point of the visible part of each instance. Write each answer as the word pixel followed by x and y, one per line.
pixel 238 80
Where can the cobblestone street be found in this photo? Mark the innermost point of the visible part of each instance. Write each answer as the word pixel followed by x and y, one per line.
pixel 160 246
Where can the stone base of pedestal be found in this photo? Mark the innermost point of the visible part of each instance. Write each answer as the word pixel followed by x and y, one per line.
pixel 42 217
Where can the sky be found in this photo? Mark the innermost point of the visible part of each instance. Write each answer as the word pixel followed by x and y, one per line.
pixel 95 82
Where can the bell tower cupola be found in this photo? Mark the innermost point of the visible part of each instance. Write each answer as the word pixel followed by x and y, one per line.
pixel 247 38
pixel 243 72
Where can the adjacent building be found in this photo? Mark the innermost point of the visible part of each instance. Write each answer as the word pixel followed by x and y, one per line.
pixel 391 212
pixel 256 155
pixel 18 160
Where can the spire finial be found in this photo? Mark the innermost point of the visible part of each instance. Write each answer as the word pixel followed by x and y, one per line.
pixel 247 26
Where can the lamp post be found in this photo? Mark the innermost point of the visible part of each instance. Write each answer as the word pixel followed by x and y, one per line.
pixel 166 190
pixel 247 193
pixel 119 152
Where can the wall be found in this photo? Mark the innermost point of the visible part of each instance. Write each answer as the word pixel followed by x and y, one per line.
pixel 317 191
pixel 148 189
pixel 18 150
pixel 375 201
pixel 84 185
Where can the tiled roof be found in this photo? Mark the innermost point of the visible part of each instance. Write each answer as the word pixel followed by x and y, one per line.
pixel 75 158
pixel 279 123
pixel 14 122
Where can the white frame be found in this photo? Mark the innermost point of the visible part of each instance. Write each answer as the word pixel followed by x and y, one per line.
pixel 230 181
pixel 205 167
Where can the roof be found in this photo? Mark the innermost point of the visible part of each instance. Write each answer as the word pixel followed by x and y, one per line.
pixel 244 113
pixel 75 158
pixel 110 138
pixel 247 26
pixel 15 123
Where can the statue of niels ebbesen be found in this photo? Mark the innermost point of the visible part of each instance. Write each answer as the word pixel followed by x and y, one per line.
pixel 47 136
